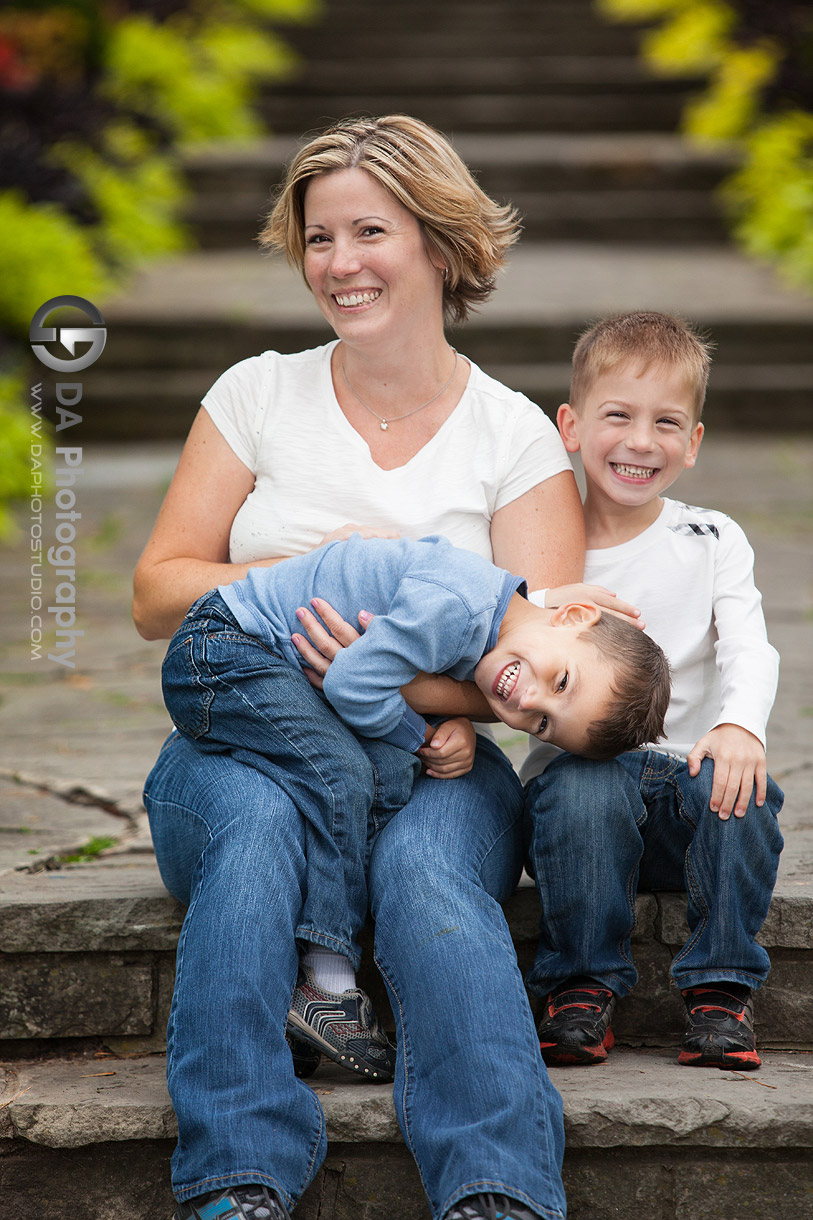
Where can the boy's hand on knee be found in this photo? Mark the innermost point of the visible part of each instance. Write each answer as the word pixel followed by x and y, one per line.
pixel 739 768
pixel 450 751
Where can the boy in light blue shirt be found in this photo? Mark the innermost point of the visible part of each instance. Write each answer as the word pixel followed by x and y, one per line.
pixel 348 756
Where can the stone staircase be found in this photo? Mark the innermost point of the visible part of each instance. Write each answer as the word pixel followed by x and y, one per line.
pixel 553 110
pixel 86 1127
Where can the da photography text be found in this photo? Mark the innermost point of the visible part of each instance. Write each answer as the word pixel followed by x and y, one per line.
pixel 53 591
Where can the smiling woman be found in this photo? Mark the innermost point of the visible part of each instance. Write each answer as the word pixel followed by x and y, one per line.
pixel 386 431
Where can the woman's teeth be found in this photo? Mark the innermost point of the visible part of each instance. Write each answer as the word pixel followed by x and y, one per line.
pixel 357 298
pixel 507 680
pixel 633 472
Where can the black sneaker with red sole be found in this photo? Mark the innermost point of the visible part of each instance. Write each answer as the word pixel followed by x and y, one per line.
pixel 719 1027
pixel 575 1028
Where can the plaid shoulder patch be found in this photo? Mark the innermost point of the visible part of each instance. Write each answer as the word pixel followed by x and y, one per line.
pixel 695 527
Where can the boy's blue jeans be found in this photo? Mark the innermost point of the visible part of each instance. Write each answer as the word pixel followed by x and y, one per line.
pixel 599 830
pixel 230 692
pixel 474 1101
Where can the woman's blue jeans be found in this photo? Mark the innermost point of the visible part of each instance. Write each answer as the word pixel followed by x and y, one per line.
pixel 473 1098
pixel 602 829
pixel 232 693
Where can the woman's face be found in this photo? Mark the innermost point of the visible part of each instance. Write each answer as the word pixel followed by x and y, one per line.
pixel 365 259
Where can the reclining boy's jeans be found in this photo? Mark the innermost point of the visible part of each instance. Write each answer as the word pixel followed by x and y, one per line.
pixel 602 829
pixel 231 693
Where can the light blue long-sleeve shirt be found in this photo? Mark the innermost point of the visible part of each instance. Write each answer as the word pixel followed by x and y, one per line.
pixel 437 610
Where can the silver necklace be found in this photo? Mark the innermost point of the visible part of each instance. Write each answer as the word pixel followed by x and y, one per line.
pixel 385 423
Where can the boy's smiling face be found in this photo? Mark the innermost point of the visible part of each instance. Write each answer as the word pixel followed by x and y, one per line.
pixel 636 430
pixel 549 680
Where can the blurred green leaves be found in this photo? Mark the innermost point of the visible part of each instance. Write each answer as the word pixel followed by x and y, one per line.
pixel 758 60
pixel 97 100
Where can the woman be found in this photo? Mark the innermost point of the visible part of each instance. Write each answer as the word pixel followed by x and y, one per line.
pixel 390 428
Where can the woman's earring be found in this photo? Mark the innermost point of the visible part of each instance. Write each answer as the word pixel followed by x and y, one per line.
pixel 445 275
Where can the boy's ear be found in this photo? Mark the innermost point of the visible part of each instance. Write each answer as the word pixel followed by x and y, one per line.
pixel 575 614
pixel 566 422
pixel 694 446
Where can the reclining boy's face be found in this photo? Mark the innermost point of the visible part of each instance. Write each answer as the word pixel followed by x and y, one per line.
pixel 636 430
pixel 547 678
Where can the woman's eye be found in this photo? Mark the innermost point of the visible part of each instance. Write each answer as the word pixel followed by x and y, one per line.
pixel 563 683
pixel 543 724
pixel 317 239
pixel 371 230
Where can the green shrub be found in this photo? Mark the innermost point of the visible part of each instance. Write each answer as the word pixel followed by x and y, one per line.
pixel 760 95
pixel 43 253
pixel 96 100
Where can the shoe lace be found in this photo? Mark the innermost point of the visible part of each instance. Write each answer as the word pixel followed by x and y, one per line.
pixel 490 1207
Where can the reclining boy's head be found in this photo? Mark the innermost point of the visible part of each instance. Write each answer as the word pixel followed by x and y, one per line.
pixel 646 340
pixel 588 682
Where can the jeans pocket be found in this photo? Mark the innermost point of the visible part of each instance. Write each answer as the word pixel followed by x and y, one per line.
pixel 188 689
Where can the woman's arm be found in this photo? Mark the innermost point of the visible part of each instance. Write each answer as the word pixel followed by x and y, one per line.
pixel 188 550
pixel 540 535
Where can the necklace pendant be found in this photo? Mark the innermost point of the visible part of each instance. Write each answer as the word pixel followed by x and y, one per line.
pixel 384 425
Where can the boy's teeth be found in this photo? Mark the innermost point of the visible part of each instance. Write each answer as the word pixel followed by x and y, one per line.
pixel 507 679
pixel 358 298
pixel 634 472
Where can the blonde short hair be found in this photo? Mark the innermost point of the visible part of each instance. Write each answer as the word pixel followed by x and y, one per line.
pixel 468 231
pixel 645 337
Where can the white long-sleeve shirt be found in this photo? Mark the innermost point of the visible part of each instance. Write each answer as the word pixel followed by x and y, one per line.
pixel 691 573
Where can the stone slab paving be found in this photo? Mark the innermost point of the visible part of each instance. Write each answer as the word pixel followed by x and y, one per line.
pixel 639 1098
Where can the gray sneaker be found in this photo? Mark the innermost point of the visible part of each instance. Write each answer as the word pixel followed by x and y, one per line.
pixel 490 1207
pixel 251 1202
pixel 343 1026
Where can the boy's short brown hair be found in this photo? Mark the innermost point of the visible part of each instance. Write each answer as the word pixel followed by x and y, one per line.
pixel 639 693
pixel 648 338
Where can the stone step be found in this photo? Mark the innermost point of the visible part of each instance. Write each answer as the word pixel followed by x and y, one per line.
pixel 88 952
pixel 606 111
pixel 358 29
pixel 627 187
pixel 92 1138
pixel 534 73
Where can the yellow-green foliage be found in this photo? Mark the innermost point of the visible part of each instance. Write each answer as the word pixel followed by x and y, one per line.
pixel 730 107
pixel 197 79
pixel 137 192
pixel 770 198
pixel 43 253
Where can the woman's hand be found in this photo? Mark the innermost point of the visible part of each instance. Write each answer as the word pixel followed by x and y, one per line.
pixel 366 531
pixel 324 642
pixel 604 598
pixel 450 750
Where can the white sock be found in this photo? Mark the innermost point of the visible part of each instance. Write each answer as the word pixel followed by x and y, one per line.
pixel 331 971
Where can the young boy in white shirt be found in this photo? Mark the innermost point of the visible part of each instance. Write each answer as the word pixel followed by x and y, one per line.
pixel 659 817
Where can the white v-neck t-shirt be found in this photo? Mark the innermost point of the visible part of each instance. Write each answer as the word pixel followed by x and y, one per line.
pixel 314 473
